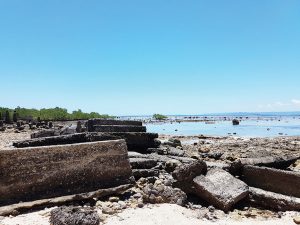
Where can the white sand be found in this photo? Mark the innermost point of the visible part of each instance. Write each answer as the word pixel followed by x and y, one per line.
pixel 164 214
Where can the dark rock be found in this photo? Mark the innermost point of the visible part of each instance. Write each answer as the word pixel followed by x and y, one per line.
pixel 78 127
pixel 172 142
pixel 142 163
pixel 138 173
pixel 74 216
pixel 7 117
pixel 235 122
pixel 187 172
pixel 171 165
pixel 15 116
pixel 220 188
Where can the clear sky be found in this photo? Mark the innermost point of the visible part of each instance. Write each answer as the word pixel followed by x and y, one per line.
pixel 138 57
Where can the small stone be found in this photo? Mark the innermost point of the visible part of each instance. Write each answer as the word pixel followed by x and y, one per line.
pixel 114 199
pixel 140 205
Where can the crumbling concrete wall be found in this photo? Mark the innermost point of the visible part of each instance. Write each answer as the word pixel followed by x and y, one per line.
pixel 118 128
pixel 139 142
pixel 98 122
pixel 49 171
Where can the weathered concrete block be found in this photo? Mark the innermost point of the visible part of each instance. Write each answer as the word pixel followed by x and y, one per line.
pixel 44 133
pixel 65 139
pixel 271 200
pixel 142 163
pixel 187 172
pixel 221 165
pixel 138 173
pixel 50 171
pixel 119 128
pixel 93 122
pixel 280 181
pixel 220 188
pixel 278 162
pixel 137 141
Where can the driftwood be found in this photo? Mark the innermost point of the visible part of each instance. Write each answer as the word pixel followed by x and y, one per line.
pixel 26 206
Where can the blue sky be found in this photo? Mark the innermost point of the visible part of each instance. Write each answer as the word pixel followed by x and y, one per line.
pixel 138 57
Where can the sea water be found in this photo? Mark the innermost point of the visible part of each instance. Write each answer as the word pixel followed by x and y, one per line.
pixel 252 127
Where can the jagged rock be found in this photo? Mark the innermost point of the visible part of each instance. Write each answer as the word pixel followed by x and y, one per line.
pixel 142 163
pixel 68 130
pixel 271 200
pixel 172 142
pixel 175 152
pixel 171 165
pixel 160 193
pixel 187 172
pixel 279 181
pixel 220 188
pixel 73 216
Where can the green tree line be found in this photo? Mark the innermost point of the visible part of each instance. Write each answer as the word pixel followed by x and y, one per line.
pixel 56 113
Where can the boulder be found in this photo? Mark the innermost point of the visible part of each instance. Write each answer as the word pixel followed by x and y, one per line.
pixel 220 188
pixel 187 172
pixel 235 122
pixel 160 193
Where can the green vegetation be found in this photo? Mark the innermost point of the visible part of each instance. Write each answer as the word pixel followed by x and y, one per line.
pixel 50 114
pixel 159 117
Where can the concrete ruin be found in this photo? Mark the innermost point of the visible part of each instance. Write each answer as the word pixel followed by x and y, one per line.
pixel 220 188
pixel 57 170
pixel 279 181
pixel 51 165
pixel 139 141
